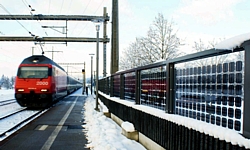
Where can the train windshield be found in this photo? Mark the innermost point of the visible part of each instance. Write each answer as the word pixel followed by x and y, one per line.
pixel 33 72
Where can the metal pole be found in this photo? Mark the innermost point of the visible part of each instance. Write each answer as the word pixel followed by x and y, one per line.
pixel 94 81
pixel 91 84
pixel 97 64
pixel 52 52
pixel 115 38
pixel 91 73
pixel 104 43
pixel 84 80
pixel 33 50
pixel 83 83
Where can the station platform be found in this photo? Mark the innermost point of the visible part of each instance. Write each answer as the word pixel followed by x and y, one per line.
pixel 58 128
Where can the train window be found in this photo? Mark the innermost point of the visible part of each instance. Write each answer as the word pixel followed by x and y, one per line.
pixel 33 72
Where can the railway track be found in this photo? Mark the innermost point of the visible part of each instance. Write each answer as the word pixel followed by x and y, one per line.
pixel 14 121
pixel 7 102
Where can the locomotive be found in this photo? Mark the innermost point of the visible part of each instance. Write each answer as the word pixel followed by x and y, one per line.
pixel 40 81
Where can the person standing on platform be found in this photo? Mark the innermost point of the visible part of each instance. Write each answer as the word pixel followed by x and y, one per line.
pixel 87 90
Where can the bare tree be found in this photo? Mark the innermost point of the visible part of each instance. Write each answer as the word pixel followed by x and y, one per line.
pixel 133 56
pixel 161 42
pixel 201 46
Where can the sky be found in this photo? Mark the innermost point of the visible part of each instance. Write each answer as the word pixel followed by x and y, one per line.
pixel 194 19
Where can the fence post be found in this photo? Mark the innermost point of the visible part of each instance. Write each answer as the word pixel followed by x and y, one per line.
pixel 122 85
pixel 170 89
pixel 137 86
pixel 107 85
pixel 246 109
pixel 111 86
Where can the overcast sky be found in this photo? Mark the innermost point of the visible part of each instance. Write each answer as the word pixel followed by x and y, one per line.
pixel 195 19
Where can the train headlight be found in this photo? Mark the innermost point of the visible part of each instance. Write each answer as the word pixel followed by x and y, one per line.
pixel 20 90
pixel 44 90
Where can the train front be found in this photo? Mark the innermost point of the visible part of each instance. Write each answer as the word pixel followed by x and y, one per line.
pixel 33 85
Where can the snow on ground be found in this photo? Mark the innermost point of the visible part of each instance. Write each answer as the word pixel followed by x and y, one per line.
pixel 103 133
pixel 7 94
pixel 7 109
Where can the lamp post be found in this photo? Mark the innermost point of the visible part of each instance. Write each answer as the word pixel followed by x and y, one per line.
pixel 95 84
pixel 97 25
pixel 91 76
pixel 83 78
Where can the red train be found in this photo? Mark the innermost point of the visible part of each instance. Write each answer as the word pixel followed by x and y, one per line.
pixel 40 81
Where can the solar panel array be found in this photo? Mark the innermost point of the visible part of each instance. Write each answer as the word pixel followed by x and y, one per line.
pixel 211 93
pixel 129 86
pixel 154 87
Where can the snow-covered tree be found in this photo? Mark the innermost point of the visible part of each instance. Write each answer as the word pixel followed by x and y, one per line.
pixel 12 81
pixel 2 81
pixel 6 82
pixel 133 56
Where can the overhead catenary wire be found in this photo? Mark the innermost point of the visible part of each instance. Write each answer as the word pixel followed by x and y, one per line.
pixel 31 9
pixel 99 6
pixel 25 3
pixel 82 13
pixel 49 7
pixel 16 20
pixel 59 13
pixel 69 6
pixel 61 7
pixel 94 13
